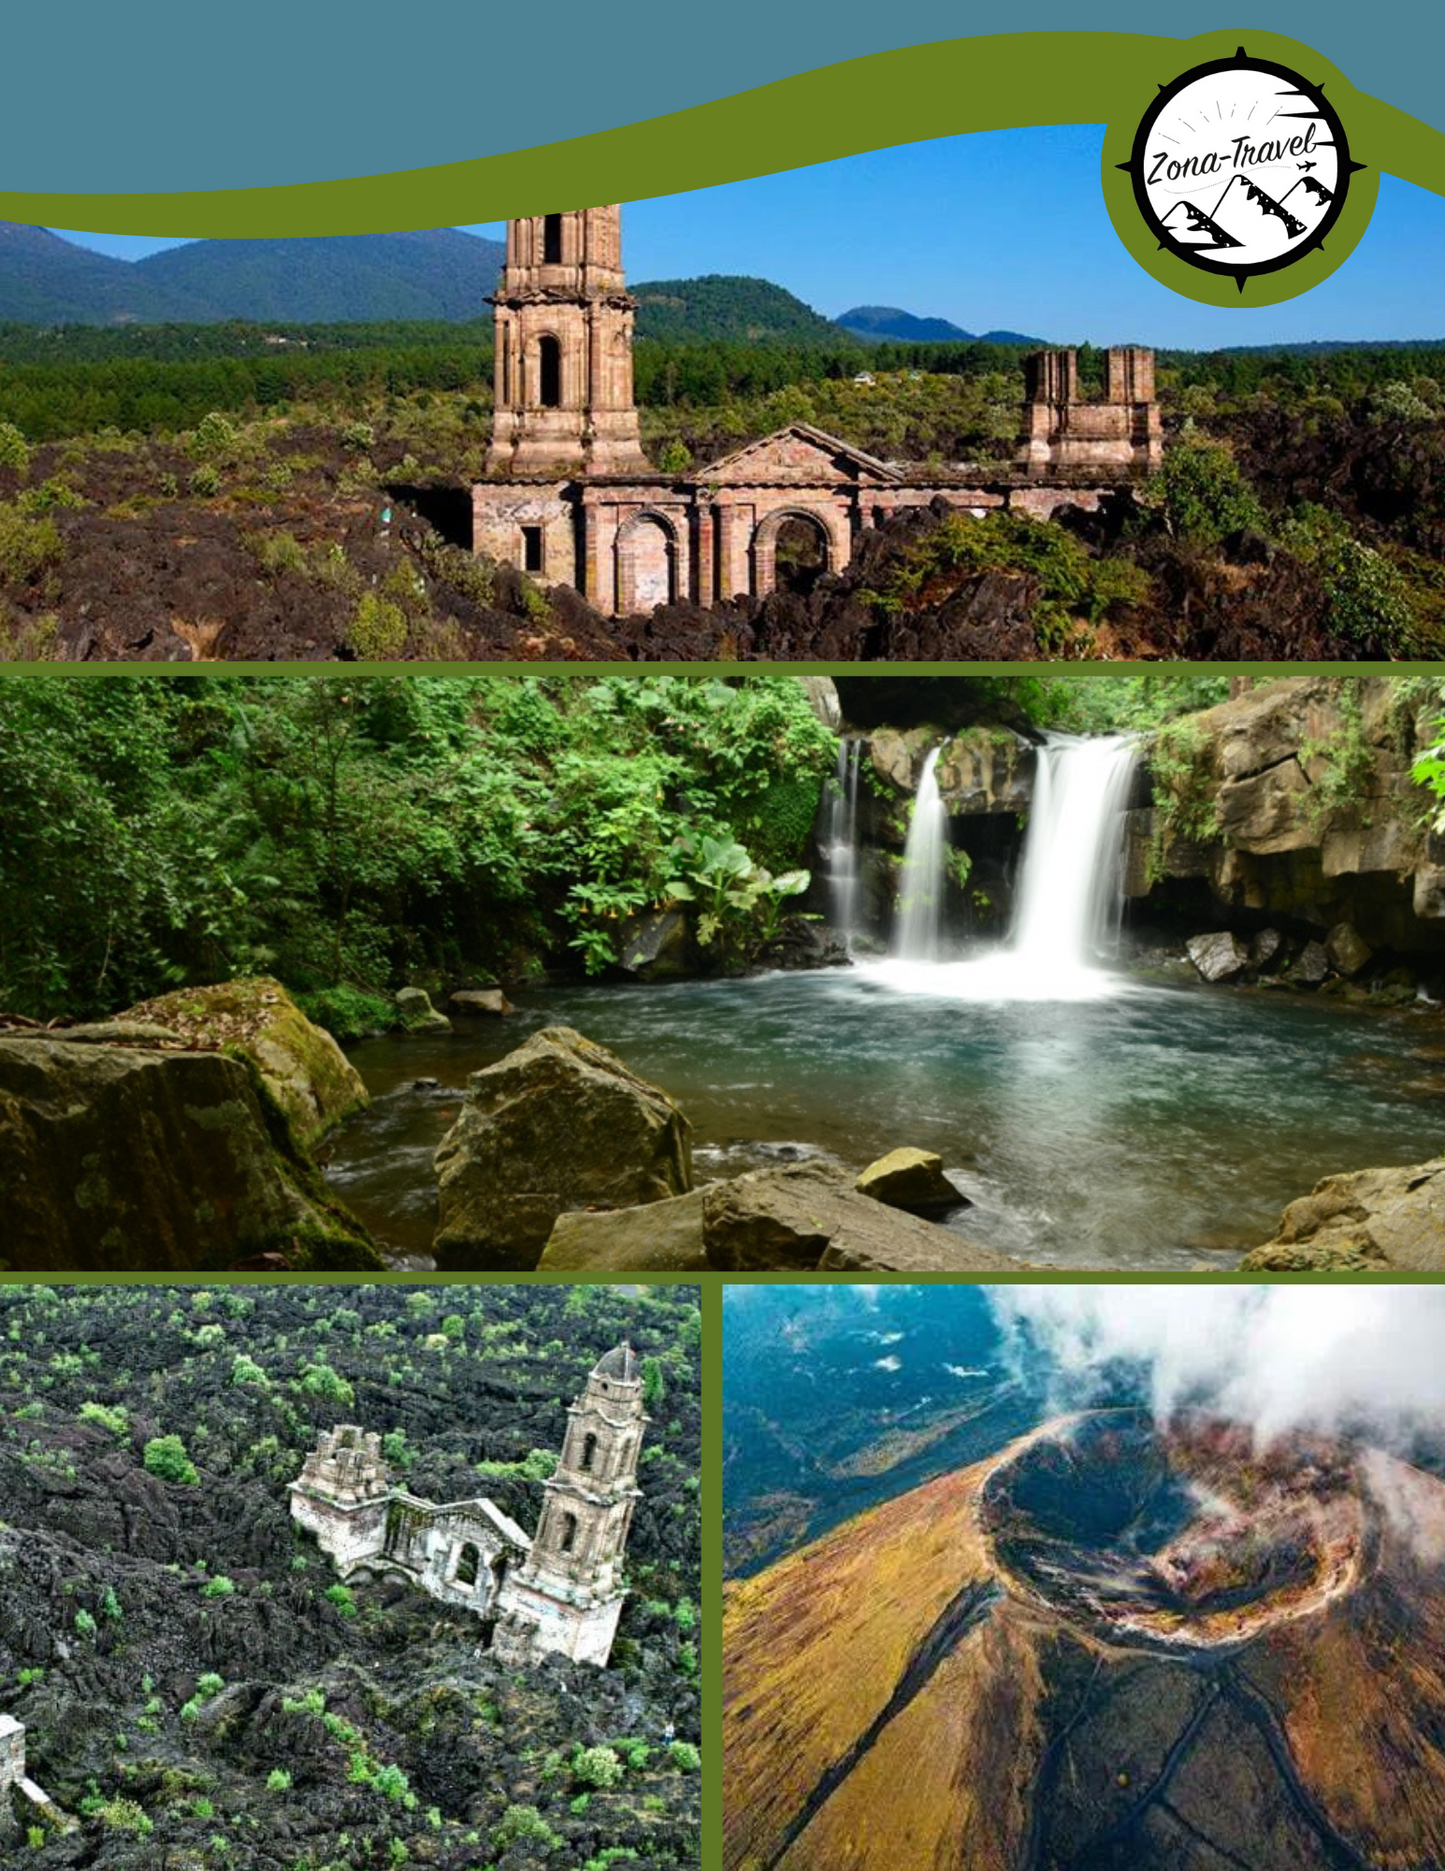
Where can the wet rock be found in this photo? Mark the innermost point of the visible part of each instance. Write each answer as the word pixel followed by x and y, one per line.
pixel 481 1000
pixel 1218 957
pixel 656 946
pixel 1371 1218
pixel 416 1013
pixel 808 1216
pixel 659 1237
pixel 1346 950
pixel 1266 951
pixel 559 1124
pixel 802 943
pixel 910 1179
pixel 117 1158
pixel 1312 965
pixel 304 1069
pixel 426 1084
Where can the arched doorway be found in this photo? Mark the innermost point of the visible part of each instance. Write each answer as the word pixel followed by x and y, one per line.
pixel 800 553
pixel 549 372
pixel 468 1561
pixel 646 564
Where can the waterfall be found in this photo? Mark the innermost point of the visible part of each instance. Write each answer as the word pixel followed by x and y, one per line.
pixel 840 841
pixel 1069 897
pixel 1070 888
pixel 920 888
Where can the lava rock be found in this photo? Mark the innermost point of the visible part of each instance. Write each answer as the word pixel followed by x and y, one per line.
pixel 912 1180
pixel 416 1013
pixel 559 1124
pixel 1218 957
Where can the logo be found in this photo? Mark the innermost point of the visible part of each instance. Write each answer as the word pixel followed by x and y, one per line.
pixel 1241 167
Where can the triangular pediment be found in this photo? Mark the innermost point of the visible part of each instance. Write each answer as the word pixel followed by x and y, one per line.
pixel 797 456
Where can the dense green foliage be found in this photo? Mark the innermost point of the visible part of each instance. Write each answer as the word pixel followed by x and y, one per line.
pixel 350 834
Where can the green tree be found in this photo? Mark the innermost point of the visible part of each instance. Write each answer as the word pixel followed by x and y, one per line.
pixel 166 1458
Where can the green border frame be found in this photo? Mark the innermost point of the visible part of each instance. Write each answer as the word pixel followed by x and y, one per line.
pixel 997 81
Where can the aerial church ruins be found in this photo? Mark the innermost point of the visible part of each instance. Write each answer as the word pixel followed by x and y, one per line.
pixel 559 1589
pixel 570 497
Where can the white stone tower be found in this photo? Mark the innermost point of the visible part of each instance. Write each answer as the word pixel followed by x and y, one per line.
pixel 563 370
pixel 567 1595
pixel 343 1493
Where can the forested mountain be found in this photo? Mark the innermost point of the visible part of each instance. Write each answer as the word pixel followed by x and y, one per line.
pixel 45 280
pixel 722 306
pixel 890 321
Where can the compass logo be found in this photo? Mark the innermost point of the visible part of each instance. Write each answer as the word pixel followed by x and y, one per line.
pixel 1241 167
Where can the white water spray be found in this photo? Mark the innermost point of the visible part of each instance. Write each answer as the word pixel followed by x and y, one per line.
pixel 1070 886
pixel 840 842
pixel 1069 896
pixel 920 888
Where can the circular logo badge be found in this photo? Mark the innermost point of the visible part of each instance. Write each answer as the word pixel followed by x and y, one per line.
pixel 1241 167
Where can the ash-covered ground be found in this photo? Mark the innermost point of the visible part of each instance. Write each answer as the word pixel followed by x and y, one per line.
pixel 197 1689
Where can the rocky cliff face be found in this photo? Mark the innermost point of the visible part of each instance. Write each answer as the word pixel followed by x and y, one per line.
pixel 1295 801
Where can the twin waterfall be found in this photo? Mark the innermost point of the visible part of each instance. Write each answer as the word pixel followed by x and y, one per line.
pixel 840 842
pixel 1069 897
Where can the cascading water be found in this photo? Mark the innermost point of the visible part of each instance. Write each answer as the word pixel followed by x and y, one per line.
pixel 1069 897
pixel 840 841
pixel 920 888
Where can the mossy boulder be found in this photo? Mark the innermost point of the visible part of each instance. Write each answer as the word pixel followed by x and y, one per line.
pixel 559 1124
pixel 305 1070
pixel 416 1013
pixel 118 1158
pixel 1378 1218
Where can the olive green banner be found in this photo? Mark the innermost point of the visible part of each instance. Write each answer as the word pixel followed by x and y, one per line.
pixel 1001 81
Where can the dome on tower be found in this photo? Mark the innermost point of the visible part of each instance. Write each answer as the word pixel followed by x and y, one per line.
pixel 620 1364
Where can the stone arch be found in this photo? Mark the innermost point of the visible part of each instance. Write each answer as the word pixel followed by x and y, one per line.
pixel 468 1564
pixel 648 556
pixel 589 1450
pixel 567 1534
pixel 807 525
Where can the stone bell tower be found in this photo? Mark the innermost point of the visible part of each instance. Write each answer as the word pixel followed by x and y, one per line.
pixel 563 322
pixel 566 1596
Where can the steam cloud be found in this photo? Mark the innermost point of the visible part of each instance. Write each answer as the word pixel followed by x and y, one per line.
pixel 1369 1359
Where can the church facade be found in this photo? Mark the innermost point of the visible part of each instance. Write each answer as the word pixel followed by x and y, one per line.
pixel 570 497
pixel 559 1589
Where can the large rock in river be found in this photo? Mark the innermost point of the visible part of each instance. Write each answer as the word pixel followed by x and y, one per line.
pixel 1376 1218
pixel 561 1123
pixel 1218 957
pixel 808 1215
pixel 305 1071
pixel 117 1158
pixel 911 1179
pixel 658 1237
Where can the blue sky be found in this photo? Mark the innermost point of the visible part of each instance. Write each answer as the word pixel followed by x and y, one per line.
pixel 1002 230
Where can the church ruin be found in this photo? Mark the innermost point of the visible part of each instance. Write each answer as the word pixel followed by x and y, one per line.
pixel 559 1589
pixel 570 497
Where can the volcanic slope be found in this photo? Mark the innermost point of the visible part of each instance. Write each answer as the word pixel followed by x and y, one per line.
pixel 200 1691
pixel 1101 1649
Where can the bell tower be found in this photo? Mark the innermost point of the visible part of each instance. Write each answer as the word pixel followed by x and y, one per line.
pixel 567 1595
pixel 563 370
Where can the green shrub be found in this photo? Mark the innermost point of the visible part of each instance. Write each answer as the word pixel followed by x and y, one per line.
pixel 115 1419
pixel 685 1757
pixel 218 1587
pixel 597 1767
pixel 348 1012
pixel 358 438
pixel 206 482
pixel 166 1458
pixel 522 1822
pixel 28 547
pixel 14 449
pixel 1204 494
pixel 340 1596
pixel 278 1781
pixel 215 438
pixel 84 1623
pixel 377 632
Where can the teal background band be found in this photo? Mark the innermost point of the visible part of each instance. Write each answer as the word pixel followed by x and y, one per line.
pixel 166 95
pixel 995 82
